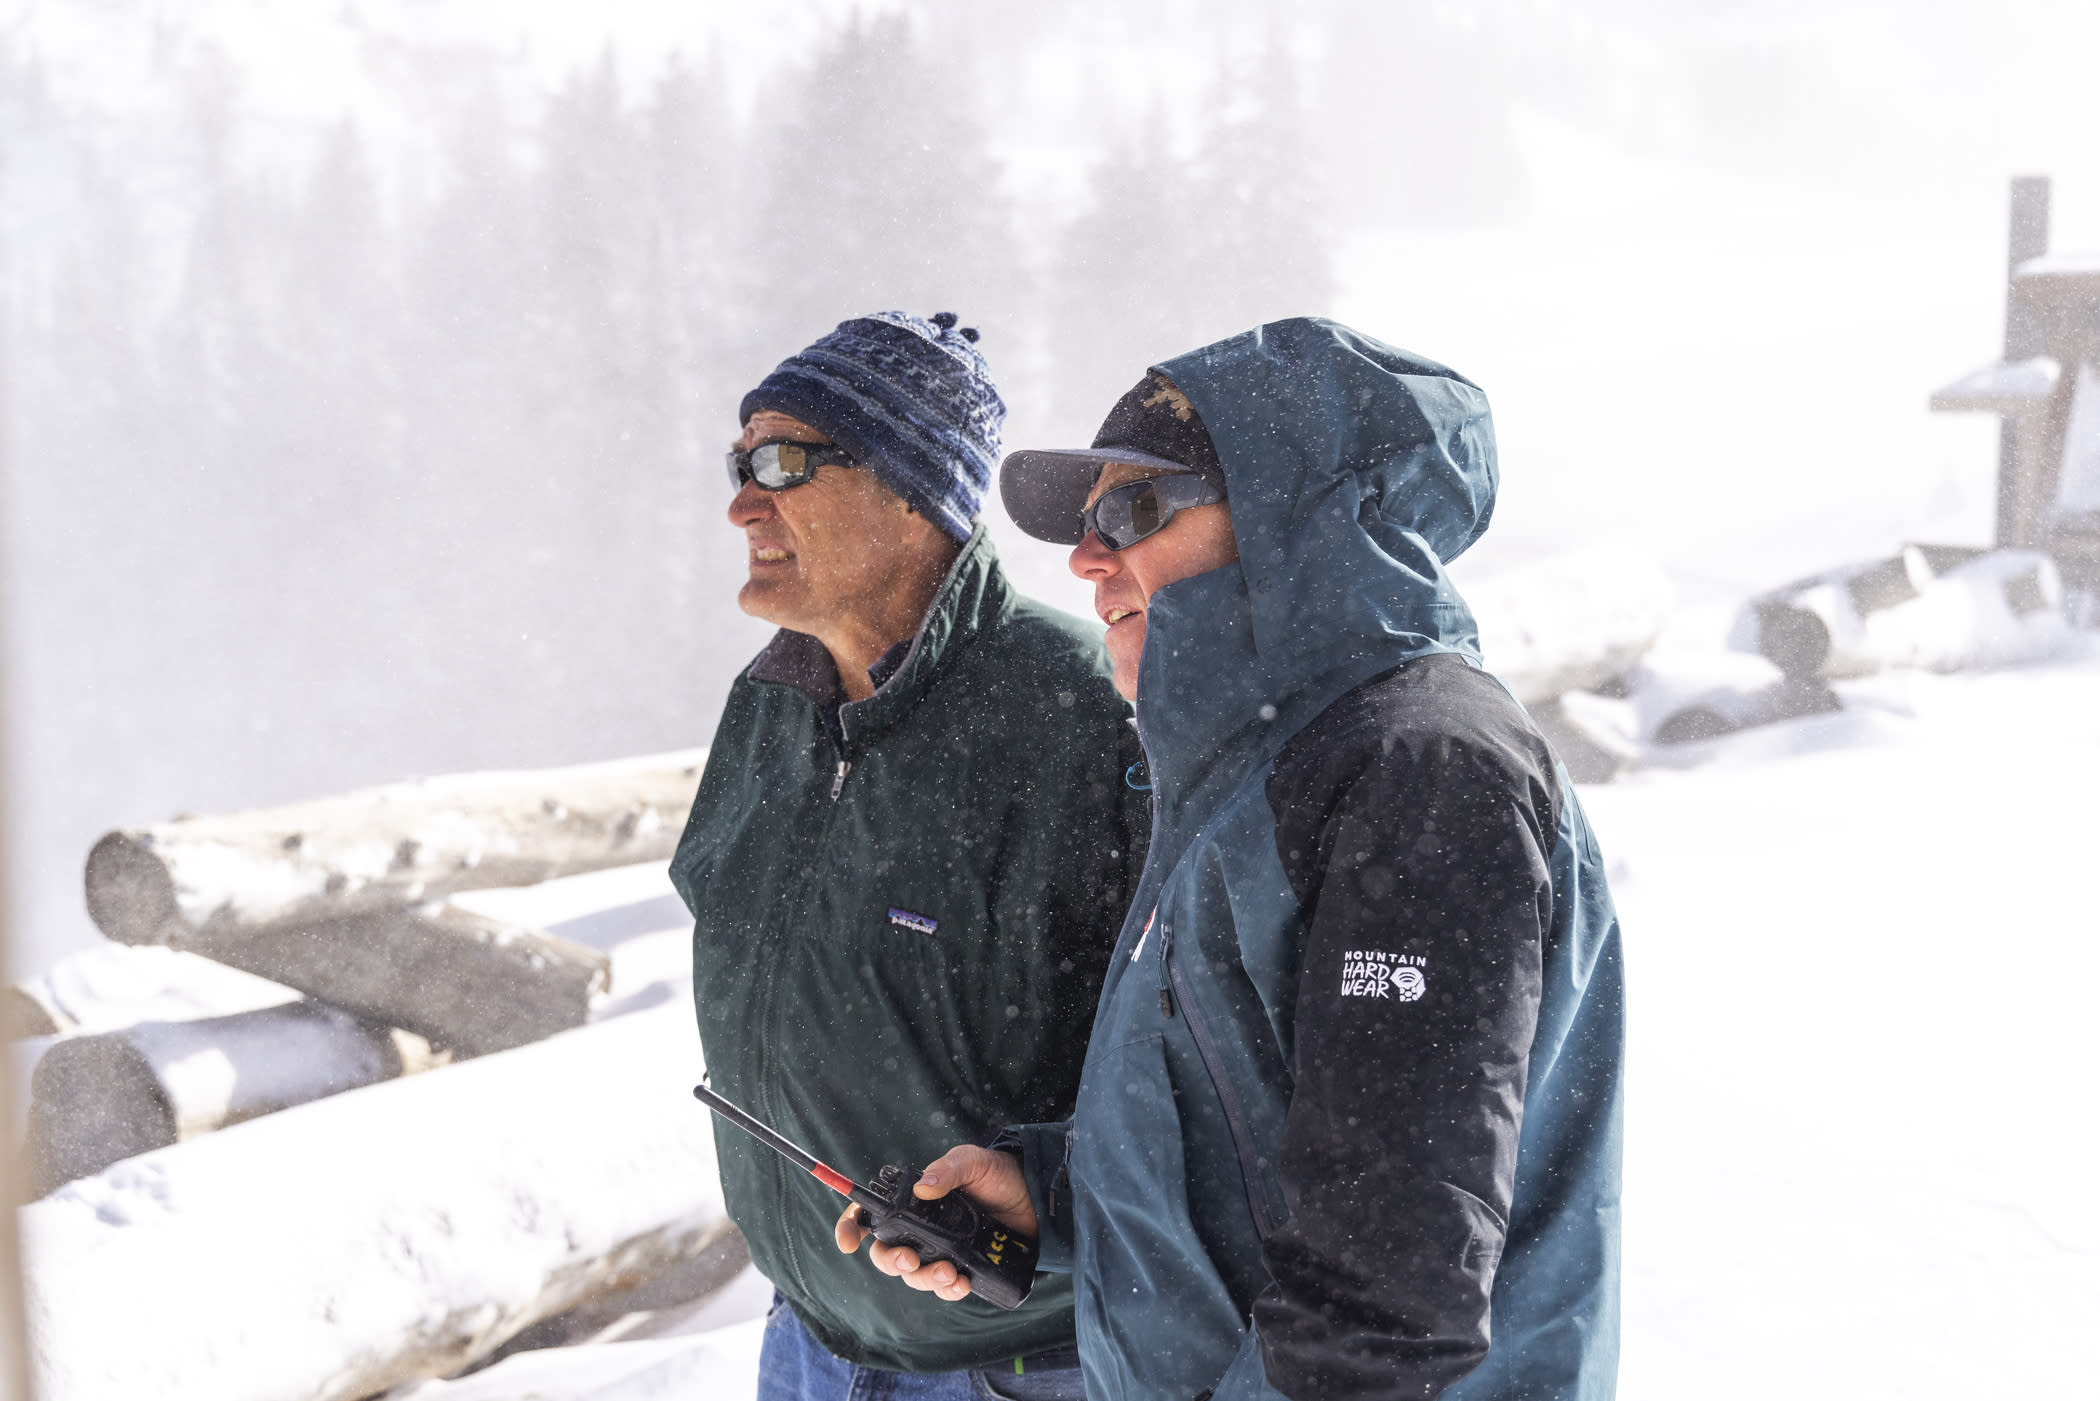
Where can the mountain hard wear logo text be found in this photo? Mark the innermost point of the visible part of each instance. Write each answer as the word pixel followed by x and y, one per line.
pixel 1372 973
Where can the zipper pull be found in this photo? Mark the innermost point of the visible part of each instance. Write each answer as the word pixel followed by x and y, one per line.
pixel 839 782
pixel 1166 988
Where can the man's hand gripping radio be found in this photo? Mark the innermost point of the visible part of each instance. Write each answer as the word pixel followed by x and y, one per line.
pixel 999 1265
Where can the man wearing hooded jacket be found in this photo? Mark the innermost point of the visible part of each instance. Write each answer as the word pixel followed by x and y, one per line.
pixel 1349 1121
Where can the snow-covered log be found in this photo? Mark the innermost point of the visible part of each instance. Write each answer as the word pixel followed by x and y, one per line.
pixel 468 983
pixel 398 1231
pixel 114 985
pixel 218 879
pixel 1938 609
pixel 1693 696
pixel 100 1103
pixel 100 1098
pixel 1817 626
pixel 1998 609
pixel 1570 622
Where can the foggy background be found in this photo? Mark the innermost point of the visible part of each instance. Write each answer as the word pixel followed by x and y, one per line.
pixel 365 364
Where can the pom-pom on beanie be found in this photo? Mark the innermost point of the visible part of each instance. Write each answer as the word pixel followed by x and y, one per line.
pixel 910 398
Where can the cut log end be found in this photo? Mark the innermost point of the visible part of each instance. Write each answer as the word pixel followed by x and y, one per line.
pixel 1792 639
pixel 94 1100
pixel 23 1015
pixel 130 894
pixel 1694 723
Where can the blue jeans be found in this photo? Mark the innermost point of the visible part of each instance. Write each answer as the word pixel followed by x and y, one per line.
pixel 793 1366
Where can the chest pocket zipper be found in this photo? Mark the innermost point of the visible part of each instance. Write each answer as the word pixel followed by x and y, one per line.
pixel 1177 991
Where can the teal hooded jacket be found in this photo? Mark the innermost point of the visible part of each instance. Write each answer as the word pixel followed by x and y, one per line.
pixel 1349 1121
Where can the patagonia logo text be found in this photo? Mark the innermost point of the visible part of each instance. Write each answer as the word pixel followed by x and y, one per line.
pixel 1373 973
pixel 905 919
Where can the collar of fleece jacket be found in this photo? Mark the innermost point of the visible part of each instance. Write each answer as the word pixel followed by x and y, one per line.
pixel 1354 471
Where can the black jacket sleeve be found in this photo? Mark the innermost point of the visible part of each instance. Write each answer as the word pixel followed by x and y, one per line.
pixel 1415 819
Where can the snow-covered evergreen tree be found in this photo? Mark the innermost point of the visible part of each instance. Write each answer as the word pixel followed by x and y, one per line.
pixel 1131 282
pixel 1168 253
pixel 875 187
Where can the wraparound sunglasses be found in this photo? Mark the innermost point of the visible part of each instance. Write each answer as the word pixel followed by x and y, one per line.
pixel 1126 514
pixel 778 466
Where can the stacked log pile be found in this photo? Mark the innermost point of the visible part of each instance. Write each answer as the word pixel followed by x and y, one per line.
pixel 1572 637
pixel 418 1226
pixel 343 900
pixel 1925 607
pixel 401 1232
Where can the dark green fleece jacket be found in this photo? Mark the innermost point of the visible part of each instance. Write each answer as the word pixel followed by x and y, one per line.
pixel 901 927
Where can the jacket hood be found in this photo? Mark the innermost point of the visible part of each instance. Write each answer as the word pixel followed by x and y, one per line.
pixel 1355 471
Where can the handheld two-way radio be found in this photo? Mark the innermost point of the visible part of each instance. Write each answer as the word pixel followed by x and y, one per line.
pixel 999 1265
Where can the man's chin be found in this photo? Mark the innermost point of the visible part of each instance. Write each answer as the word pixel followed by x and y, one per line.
pixel 1124 652
pixel 767 600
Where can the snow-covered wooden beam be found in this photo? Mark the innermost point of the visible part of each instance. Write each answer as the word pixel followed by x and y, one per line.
pixel 2063 278
pixel 1570 622
pixel 2001 387
pixel 400 1231
pixel 466 982
pixel 216 880
pixel 100 1098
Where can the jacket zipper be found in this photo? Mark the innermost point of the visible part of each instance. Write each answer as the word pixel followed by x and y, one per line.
pixel 1228 1098
pixel 1206 1048
pixel 772 1007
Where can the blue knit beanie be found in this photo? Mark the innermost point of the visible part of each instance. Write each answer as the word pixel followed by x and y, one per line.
pixel 909 398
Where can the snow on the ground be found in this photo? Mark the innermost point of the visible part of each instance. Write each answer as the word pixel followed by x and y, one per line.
pixel 259 1260
pixel 705 1353
pixel 390 1221
pixel 1860 952
pixel 713 1366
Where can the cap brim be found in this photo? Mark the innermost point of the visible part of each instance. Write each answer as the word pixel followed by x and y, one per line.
pixel 1045 489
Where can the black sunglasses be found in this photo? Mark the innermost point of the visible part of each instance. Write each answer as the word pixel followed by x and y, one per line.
pixel 778 466
pixel 1126 514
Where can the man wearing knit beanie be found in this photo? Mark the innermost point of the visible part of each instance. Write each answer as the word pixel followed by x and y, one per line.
pixel 910 851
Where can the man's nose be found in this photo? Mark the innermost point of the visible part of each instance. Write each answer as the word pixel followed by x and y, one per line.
pixel 1093 560
pixel 749 506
